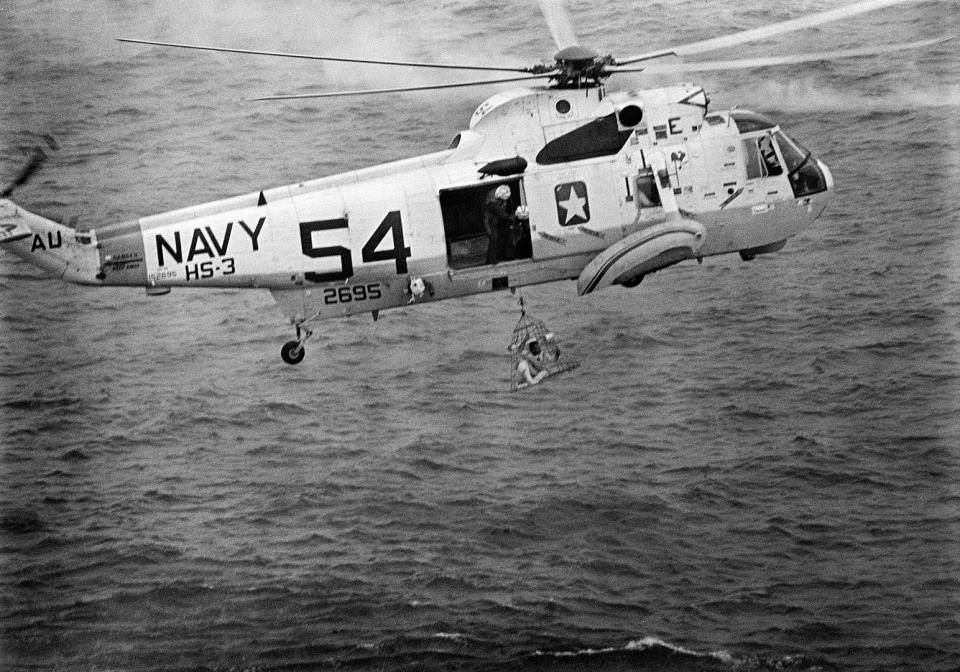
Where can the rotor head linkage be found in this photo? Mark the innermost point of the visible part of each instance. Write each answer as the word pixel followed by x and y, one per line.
pixel 579 66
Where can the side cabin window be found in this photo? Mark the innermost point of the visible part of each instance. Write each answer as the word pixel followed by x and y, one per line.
pixel 760 157
pixel 469 220
pixel 600 137
pixel 648 196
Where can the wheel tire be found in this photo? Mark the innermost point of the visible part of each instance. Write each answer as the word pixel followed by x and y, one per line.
pixel 292 353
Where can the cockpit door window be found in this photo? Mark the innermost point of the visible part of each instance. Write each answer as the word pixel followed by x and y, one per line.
pixel 761 158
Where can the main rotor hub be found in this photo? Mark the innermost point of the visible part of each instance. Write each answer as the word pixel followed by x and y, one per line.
pixel 578 66
pixel 576 54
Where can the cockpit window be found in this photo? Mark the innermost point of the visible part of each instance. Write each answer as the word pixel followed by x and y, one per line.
pixel 761 158
pixel 805 175
pixel 747 121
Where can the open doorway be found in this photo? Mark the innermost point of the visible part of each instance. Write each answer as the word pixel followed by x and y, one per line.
pixel 468 244
pixel 648 196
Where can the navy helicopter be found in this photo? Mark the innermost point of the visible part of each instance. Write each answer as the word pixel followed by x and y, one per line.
pixel 595 186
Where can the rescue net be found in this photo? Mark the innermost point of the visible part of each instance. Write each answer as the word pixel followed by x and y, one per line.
pixel 537 346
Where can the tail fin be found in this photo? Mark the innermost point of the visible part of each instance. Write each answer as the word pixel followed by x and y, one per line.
pixel 59 249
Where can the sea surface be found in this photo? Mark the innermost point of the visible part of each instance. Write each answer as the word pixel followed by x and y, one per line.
pixel 755 467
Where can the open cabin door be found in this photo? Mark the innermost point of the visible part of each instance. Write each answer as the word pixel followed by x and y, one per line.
pixel 653 192
pixel 463 210
pixel 647 196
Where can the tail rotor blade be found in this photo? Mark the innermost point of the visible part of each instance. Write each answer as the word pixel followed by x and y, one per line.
pixel 37 157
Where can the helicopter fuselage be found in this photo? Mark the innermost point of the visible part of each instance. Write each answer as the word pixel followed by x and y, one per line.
pixel 613 187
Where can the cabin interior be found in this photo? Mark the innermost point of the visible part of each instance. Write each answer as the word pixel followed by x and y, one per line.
pixel 467 240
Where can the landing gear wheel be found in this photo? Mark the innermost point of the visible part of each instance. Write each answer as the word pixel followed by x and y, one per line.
pixel 293 352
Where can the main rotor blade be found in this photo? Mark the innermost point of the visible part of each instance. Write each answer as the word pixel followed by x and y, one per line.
pixel 400 89
pixel 558 20
pixel 764 32
pixel 313 57
pixel 745 63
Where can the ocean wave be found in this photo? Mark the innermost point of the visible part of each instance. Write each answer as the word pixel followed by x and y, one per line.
pixel 647 652
pixel 38 401
pixel 75 454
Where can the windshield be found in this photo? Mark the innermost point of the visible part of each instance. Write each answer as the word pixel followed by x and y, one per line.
pixel 748 121
pixel 794 154
pixel 805 175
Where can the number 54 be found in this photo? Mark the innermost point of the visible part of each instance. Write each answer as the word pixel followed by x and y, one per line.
pixel 369 252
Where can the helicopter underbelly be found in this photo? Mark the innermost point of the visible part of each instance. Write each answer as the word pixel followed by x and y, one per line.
pixel 376 294
pixel 757 224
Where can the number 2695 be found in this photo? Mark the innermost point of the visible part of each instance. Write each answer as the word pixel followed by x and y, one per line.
pixel 349 293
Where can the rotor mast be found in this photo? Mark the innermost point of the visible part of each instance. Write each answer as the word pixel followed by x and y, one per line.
pixel 574 66
pixel 579 67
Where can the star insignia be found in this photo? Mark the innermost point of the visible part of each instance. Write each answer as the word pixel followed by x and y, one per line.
pixel 573 206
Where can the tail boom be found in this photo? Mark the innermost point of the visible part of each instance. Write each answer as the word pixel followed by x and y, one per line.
pixel 56 248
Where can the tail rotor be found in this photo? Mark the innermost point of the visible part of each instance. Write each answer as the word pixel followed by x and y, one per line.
pixel 33 164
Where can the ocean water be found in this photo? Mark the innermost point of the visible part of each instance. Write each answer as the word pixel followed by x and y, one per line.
pixel 755 467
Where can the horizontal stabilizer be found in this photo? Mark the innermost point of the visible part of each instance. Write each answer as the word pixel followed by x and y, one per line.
pixel 628 260
pixel 12 224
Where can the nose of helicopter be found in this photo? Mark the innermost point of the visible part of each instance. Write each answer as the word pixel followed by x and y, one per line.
pixel 827 175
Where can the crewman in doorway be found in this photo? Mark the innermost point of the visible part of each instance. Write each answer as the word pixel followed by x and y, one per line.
pixel 500 224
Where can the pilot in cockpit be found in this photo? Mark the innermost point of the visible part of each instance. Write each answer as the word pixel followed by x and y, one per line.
pixel 769 155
